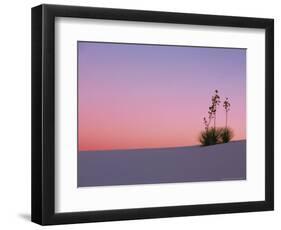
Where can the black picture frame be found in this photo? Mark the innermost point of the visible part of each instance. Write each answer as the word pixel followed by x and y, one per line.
pixel 43 114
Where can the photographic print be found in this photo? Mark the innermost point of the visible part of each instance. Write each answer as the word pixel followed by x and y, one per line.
pixel 150 114
pixel 161 106
pixel 156 105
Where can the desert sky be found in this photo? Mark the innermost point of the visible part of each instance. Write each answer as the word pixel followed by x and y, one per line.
pixel 133 96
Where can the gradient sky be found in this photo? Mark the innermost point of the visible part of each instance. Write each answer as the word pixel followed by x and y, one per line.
pixel 148 96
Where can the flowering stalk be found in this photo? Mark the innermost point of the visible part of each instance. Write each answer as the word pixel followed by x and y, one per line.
pixel 226 106
pixel 212 111
pixel 215 104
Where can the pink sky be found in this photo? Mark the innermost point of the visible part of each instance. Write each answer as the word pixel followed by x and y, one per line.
pixel 147 96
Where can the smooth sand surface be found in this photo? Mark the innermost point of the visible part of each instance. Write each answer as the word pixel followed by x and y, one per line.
pixel 166 165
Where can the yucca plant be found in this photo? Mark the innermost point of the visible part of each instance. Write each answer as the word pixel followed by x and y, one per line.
pixel 210 136
pixel 214 135
pixel 226 135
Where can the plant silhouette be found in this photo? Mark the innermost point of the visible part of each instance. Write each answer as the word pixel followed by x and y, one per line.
pixel 226 106
pixel 213 135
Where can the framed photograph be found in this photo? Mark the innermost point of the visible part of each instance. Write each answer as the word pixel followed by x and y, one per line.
pixel 143 114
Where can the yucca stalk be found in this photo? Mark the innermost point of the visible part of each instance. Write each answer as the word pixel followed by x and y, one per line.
pixel 226 106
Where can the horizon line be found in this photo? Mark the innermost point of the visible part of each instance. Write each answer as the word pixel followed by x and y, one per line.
pixel 153 148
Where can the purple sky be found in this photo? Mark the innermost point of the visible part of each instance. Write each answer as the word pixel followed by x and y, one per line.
pixel 139 96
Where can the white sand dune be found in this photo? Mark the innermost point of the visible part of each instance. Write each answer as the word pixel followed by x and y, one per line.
pixel 165 165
